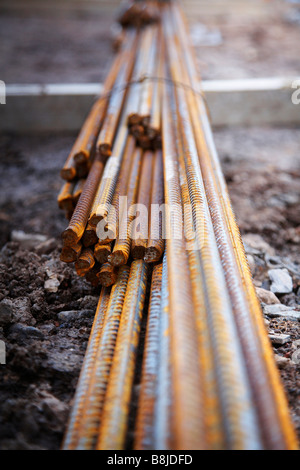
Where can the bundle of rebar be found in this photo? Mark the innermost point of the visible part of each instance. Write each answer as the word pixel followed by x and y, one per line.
pixel 208 376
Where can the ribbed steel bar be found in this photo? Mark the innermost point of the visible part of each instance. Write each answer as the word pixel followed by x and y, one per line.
pixel 144 432
pixel 117 99
pixel 163 427
pixel 89 237
pixel 212 408
pixel 154 126
pixel 140 226
pixel 100 368
pixel 92 275
pixel 101 252
pixel 146 96
pixel 245 304
pixel 135 88
pixel 69 254
pixel 105 191
pixel 113 426
pixel 71 436
pixel 65 197
pixel 121 248
pixel 76 227
pixel 242 430
pixel 107 275
pixel 84 144
pixel 120 191
pixel 187 410
pixel 78 188
pixel 156 243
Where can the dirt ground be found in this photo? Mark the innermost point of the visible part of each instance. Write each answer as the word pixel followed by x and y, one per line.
pixel 45 347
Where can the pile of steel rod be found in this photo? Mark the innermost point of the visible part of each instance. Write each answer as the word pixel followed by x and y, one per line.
pixel 208 377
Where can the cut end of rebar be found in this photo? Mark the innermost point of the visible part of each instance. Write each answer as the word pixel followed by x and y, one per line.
pixel 96 218
pixel 81 157
pixel 70 237
pixel 68 174
pixel 105 150
pixel 107 279
pixel 102 255
pixel 138 252
pixel 118 258
pixel 152 255
pixel 134 119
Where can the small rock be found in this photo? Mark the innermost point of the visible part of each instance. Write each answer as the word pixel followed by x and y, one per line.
pixel 27 240
pixel 279 338
pixel 251 262
pixel 74 314
pixel 6 312
pixel 281 281
pixel 296 344
pixel 266 296
pixel 282 362
pixel 26 331
pixel 255 244
pixel 52 284
pixel 87 313
pixel 48 329
pixel 282 311
pixel 296 357
pixel 55 411
pixel 16 311
pixel 46 247
pixel 68 315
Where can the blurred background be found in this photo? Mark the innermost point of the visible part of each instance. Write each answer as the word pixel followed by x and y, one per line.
pixel 70 40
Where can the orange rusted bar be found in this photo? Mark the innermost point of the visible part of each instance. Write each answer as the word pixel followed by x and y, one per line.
pixel 102 252
pixel 70 254
pixel 65 197
pixel 92 275
pixel 156 243
pixel 77 225
pixel 85 142
pixel 113 425
pixel 78 187
pixel 187 410
pixel 72 433
pixel 101 371
pixel 85 261
pixel 120 192
pixel 144 432
pixel 107 275
pixel 117 99
pixel 89 237
pixel 121 250
pixel 140 230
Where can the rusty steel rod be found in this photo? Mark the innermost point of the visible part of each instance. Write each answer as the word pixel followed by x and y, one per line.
pixel 113 425
pixel 144 433
pixel 121 250
pixel 72 434
pixel 156 243
pixel 140 229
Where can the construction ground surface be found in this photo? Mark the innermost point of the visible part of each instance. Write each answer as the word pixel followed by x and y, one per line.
pixel 46 331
